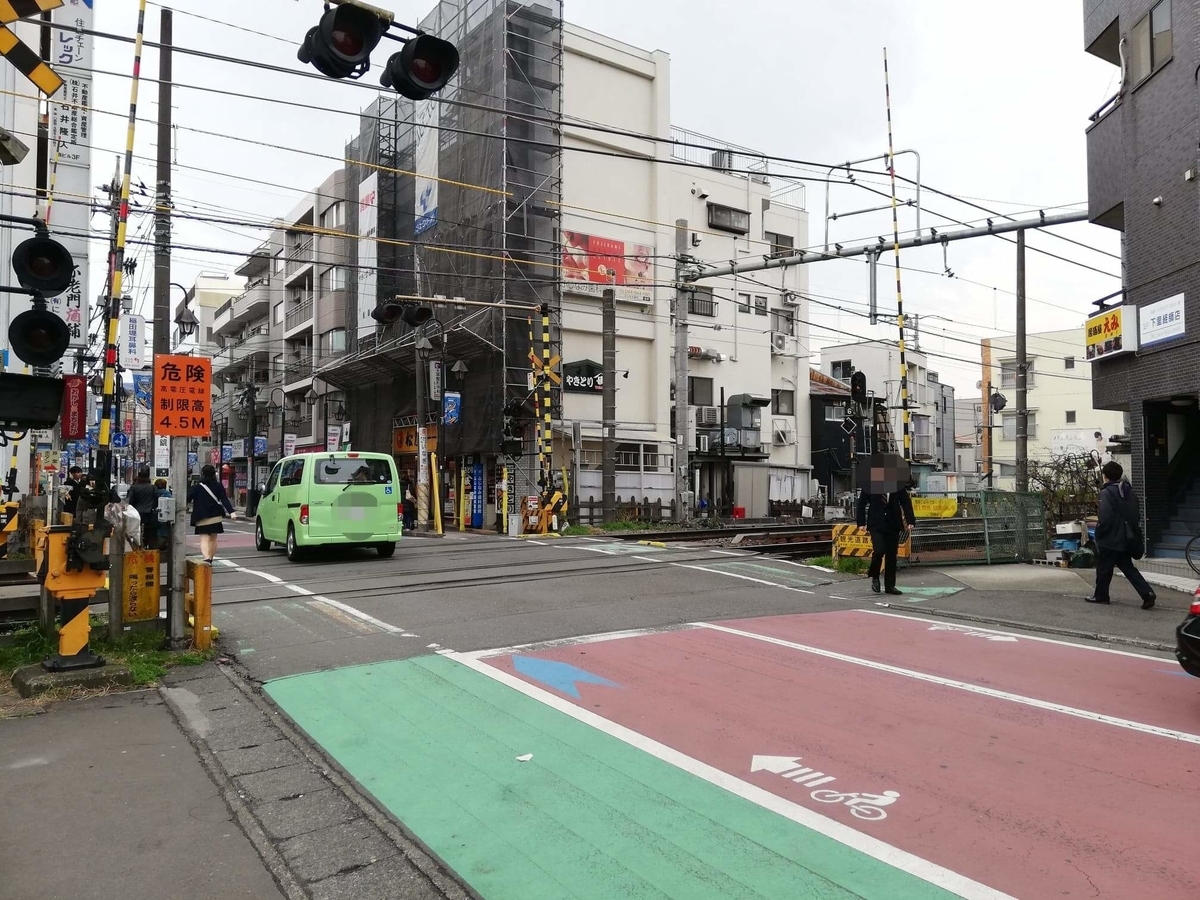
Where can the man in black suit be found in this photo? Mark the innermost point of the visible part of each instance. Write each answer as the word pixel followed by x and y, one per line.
pixel 886 516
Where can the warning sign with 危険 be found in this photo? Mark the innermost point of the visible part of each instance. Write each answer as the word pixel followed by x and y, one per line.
pixel 850 540
pixel 141 597
pixel 182 395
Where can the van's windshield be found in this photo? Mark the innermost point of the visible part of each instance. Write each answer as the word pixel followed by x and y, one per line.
pixel 353 471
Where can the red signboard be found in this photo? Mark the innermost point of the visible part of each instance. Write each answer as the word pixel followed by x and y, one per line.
pixel 591 263
pixel 74 408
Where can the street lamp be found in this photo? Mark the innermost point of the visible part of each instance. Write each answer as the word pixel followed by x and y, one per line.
pixel 282 410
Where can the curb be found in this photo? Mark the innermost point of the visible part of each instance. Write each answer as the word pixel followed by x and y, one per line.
pixel 540 537
pixel 1029 626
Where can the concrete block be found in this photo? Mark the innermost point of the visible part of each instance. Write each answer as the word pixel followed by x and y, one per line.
pixel 275 784
pixel 338 848
pixel 286 818
pixel 30 680
pixel 274 755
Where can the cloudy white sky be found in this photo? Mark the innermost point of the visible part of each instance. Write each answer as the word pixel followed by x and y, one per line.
pixel 995 97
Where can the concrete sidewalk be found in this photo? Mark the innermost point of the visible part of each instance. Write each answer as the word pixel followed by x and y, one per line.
pixel 107 798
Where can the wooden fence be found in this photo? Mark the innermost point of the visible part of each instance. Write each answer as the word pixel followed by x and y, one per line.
pixel 591 511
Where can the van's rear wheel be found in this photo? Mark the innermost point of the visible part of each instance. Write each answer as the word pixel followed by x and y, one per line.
pixel 386 549
pixel 260 540
pixel 293 549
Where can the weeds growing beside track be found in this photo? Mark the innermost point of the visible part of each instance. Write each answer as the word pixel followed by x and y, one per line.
pixel 847 565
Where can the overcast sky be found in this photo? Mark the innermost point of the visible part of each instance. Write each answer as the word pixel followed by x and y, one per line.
pixel 995 97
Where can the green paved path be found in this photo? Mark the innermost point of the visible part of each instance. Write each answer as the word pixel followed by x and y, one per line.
pixel 587 817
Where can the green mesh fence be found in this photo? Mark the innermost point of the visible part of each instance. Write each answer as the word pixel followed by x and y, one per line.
pixel 1014 526
pixel 984 527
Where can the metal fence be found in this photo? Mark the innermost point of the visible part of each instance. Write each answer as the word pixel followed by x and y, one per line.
pixel 986 527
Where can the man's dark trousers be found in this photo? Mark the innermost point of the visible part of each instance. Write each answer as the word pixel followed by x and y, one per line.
pixel 1106 561
pixel 884 544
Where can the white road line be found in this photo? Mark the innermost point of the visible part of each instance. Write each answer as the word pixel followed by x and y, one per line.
pixel 359 614
pixel 345 618
pixel 1017 634
pixel 298 589
pixel 899 859
pixel 597 638
pixel 1075 712
pixel 729 552
pixel 807 566
pixel 773 584
pixel 649 559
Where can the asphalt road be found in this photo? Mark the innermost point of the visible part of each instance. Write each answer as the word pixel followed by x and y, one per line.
pixel 598 718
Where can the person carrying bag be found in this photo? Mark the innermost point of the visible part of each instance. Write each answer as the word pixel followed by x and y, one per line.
pixel 1119 538
pixel 210 506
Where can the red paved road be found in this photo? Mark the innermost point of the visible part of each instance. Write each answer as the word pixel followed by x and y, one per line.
pixel 1033 802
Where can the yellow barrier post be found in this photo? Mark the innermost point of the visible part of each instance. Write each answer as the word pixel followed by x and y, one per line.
pixel 198 603
pixel 437 493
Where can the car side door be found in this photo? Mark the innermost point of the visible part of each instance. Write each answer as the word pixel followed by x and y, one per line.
pixel 268 506
pixel 290 494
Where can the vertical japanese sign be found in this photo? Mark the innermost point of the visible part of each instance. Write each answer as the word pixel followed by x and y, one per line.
pixel 368 252
pixel 425 148
pixel 141 586
pixel 143 390
pixel 132 343
pixel 70 142
pixel 162 456
pixel 333 437
pixel 182 395
pixel 74 409
pixel 435 379
pixel 289 445
pixel 478 491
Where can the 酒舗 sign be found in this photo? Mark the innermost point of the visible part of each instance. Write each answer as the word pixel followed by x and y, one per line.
pixel 1161 321
pixel 583 377
pixel 1108 335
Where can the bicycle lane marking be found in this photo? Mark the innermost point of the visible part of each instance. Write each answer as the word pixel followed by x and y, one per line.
pixel 1112 682
pixel 969 771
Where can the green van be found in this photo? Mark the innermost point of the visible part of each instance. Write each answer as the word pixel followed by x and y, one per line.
pixel 323 499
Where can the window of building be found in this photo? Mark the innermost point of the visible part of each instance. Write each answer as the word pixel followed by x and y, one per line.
pixel 1068 362
pixel 743 303
pixel 841 369
pixel 333 342
pixel 1008 374
pixel 333 279
pixel 1150 43
pixel 782 320
pixel 334 217
pixel 701 302
pixel 700 391
pixel 781 244
pixel 835 412
pixel 277 364
pixel 278 315
pixel 783 403
pixel 277 263
pixel 760 306
pixel 726 218
pixel 1070 417
pixel 1008 426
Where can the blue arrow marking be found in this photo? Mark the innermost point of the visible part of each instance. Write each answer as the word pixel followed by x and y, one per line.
pixel 559 675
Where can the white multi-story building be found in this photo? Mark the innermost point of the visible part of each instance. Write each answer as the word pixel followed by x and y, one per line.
pixel 748 337
pixel 1061 417
pixel 931 403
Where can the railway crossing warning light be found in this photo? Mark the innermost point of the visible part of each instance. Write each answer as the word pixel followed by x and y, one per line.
pixel 998 401
pixel 340 46
pixel 44 268
pixel 389 311
pixel 858 388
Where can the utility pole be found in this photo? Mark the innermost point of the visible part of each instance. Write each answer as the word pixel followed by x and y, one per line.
pixel 176 565
pixel 608 475
pixel 682 467
pixel 1022 482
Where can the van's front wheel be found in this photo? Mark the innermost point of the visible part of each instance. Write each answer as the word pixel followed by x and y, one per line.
pixel 293 549
pixel 260 540
pixel 386 549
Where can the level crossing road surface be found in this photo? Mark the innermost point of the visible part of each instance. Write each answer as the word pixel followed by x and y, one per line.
pixel 599 719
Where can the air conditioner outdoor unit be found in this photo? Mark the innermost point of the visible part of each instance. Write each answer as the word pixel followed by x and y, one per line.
pixel 778 342
pixel 707 416
pixel 790 299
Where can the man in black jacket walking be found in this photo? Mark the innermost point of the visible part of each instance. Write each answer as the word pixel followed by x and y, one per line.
pixel 885 516
pixel 1117 535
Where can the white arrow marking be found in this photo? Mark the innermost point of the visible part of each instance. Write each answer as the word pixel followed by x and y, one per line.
pixel 987 636
pixel 774 764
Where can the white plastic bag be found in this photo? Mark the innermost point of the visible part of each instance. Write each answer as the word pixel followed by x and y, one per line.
pixel 132 521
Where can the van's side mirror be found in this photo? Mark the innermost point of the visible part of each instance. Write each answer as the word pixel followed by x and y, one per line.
pixel 262 488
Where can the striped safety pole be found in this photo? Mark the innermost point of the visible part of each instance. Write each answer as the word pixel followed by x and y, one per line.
pixel 547 435
pixel 104 451
pixel 896 249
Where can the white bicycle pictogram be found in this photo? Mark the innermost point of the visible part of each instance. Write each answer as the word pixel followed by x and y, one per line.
pixel 864 806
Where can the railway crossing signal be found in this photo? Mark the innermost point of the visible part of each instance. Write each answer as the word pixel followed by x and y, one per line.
pixel 20 54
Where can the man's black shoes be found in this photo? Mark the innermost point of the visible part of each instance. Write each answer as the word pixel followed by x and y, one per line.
pixel 1095 600
pixel 875 585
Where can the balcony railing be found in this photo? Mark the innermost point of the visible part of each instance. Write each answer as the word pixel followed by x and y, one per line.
pixel 298 368
pixel 702 306
pixel 299 314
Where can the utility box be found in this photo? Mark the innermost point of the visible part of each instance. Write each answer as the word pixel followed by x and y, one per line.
pixel 166 510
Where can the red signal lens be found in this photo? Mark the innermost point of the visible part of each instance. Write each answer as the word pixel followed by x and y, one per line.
pixel 426 71
pixel 347 42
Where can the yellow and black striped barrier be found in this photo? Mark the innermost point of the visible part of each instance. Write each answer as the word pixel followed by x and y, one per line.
pixel 851 540
pixel 21 55
pixel 74 585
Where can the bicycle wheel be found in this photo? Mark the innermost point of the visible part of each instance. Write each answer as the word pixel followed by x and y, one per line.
pixel 868 812
pixel 828 796
pixel 1193 554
